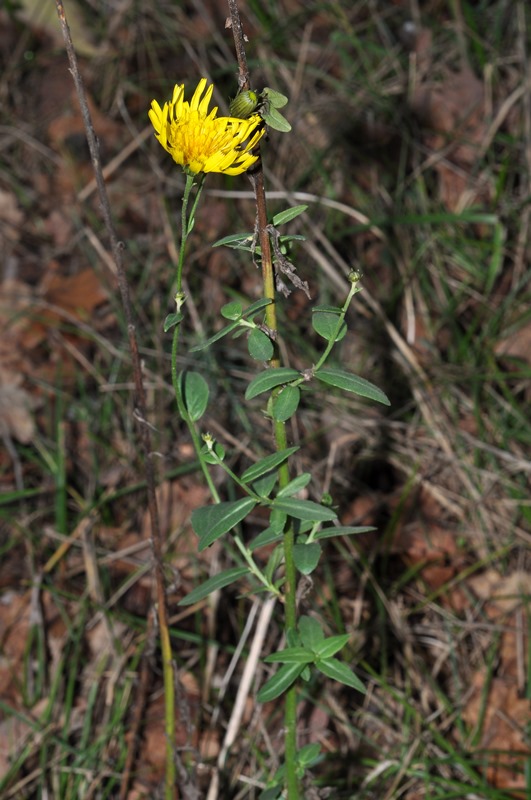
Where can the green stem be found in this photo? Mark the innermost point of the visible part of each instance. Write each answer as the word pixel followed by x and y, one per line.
pixel 256 571
pixel 187 224
pixel 281 442
pixel 354 289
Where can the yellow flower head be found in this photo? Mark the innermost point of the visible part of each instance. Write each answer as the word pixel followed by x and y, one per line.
pixel 201 142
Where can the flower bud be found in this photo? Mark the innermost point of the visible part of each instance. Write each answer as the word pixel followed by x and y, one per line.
pixel 243 104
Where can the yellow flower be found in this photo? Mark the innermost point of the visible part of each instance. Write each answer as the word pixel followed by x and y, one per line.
pixel 201 142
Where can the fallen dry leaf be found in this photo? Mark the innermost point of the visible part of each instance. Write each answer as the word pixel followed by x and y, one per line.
pixel 11 218
pixel 16 418
pixel 504 712
pixel 77 294
pixel 16 405
pixel 453 113
pixel 517 344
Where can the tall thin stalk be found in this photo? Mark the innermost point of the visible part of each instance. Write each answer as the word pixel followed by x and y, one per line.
pixel 118 249
pixel 279 428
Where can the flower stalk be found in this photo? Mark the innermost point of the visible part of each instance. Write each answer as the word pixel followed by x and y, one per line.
pixel 281 443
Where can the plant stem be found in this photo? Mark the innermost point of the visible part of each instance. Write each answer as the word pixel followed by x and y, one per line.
pixel 140 398
pixel 281 442
pixel 187 223
pixel 279 428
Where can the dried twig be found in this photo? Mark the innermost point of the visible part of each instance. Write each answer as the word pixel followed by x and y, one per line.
pixel 117 248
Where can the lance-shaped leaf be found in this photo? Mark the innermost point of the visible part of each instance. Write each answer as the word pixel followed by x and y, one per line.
pixel 304 509
pixel 329 647
pixel 211 522
pixel 266 464
pixel 351 383
pixel 286 675
pixel 343 530
pixel 287 215
pixel 311 633
pixel 339 671
pixel 218 581
pixel 267 380
pixel 294 486
pixel 291 655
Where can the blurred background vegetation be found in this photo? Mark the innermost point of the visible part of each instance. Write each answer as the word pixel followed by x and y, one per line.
pixel 411 146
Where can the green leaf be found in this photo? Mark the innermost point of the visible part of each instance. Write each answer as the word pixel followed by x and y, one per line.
pixel 294 486
pixel 304 509
pixel 255 307
pixel 264 485
pixel 195 392
pixel 278 519
pixel 232 310
pixel 277 523
pixel 286 675
pixel 267 536
pixel 306 557
pixel 213 457
pixel 260 345
pixel 311 632
pixel 273 793
pixel 249 312
pixel 277 99
pixel 329 647
pixel 309 755
pixel 234 240
pixel 273 563
pixel 219 335
pixel 212 584
pixel 267 380
pixel 287 238
pixel 351 383
pixel 286 403
pixel 343 530
pixel 291 655
pixel 266 464
pixel 286 216
pixel 211 522
pixel 172 320
pixel 339 671
pixel 325 323
pixel 275 120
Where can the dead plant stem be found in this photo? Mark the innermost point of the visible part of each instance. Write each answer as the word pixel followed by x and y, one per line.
pixel 117 248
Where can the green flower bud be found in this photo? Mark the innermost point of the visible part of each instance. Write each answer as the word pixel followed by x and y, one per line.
pixel 243 104
pixel 209 441
pixel 355 276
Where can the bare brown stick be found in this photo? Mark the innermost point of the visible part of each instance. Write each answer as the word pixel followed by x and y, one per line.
pixel 244 82
pixel 139 708
pixel 256 176
pixel 117 248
